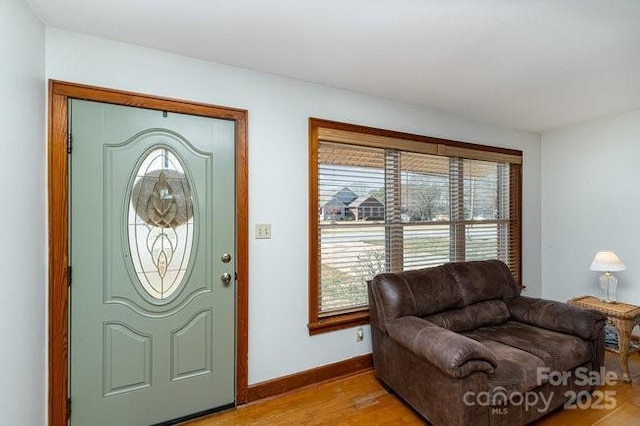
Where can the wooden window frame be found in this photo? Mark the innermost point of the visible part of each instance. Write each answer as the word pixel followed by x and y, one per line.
pixel 333 131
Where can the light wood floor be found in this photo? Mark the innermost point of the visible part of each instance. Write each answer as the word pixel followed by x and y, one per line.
pixel 361 400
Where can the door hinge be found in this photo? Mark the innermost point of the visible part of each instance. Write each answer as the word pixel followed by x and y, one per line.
pixel 69 143
pixel 68 408
pixel 69 275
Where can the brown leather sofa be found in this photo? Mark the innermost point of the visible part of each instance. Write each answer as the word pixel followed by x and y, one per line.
pixel 460 345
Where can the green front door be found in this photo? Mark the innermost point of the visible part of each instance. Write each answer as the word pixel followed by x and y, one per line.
pixel 152 257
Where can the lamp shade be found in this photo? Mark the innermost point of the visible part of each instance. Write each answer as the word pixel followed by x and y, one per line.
pixel 607 261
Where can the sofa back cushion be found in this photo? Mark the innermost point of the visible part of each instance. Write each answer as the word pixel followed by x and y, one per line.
pixel 483 280
pixel 417 293
pixel 428 291
pixel 488 312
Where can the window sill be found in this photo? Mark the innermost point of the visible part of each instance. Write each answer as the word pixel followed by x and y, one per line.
pixel 338 322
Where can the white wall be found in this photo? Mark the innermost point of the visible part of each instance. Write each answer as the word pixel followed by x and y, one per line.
pixel 590 203
pixel 22 215
pixel 279 343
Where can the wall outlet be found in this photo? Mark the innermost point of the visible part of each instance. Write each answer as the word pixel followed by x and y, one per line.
pixel 263 231
pixel 359 334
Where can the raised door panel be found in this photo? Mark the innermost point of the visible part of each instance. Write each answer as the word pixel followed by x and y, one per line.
pixel 127 359
pixel 191 348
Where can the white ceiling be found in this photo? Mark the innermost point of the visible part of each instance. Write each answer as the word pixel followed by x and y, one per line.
pixel 533 65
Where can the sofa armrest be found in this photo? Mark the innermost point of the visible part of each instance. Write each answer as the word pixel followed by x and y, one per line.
pixel 558 316
pixel 454 354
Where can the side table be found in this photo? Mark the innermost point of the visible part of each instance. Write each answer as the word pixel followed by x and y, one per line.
pixel 623 317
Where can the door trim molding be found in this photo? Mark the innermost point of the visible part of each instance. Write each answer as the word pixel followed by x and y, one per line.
pixel 58 174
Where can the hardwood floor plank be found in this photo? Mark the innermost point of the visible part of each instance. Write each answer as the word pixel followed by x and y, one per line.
pixel 360 400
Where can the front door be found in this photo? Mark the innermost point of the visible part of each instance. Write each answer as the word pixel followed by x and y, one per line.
pixel 152 256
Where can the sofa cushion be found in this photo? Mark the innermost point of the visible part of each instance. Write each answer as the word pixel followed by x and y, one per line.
pixel 414 293
pixel 489 312
pixel 483 280
pixel 517 370
pixel 560 352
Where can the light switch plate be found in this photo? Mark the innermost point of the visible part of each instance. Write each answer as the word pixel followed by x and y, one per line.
pixel 263 231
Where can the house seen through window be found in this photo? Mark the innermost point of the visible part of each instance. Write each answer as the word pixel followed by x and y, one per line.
pixel 389 202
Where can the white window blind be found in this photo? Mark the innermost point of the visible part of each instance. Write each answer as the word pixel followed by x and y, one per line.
pixel 390 209
pixel 351 181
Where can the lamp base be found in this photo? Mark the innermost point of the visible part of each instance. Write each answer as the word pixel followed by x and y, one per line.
pixel 608 288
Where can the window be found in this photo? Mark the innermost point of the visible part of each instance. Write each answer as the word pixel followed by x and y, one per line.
pixel 383 201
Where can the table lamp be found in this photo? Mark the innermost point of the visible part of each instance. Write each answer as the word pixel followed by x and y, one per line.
pixel 607 262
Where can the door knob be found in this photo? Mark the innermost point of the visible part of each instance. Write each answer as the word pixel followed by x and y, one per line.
pixel 225 258
pixel 225 278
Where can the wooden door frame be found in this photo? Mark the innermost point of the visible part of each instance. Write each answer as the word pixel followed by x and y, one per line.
pixel 58 177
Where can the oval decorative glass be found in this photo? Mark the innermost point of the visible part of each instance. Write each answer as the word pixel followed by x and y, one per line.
pixel 160 224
